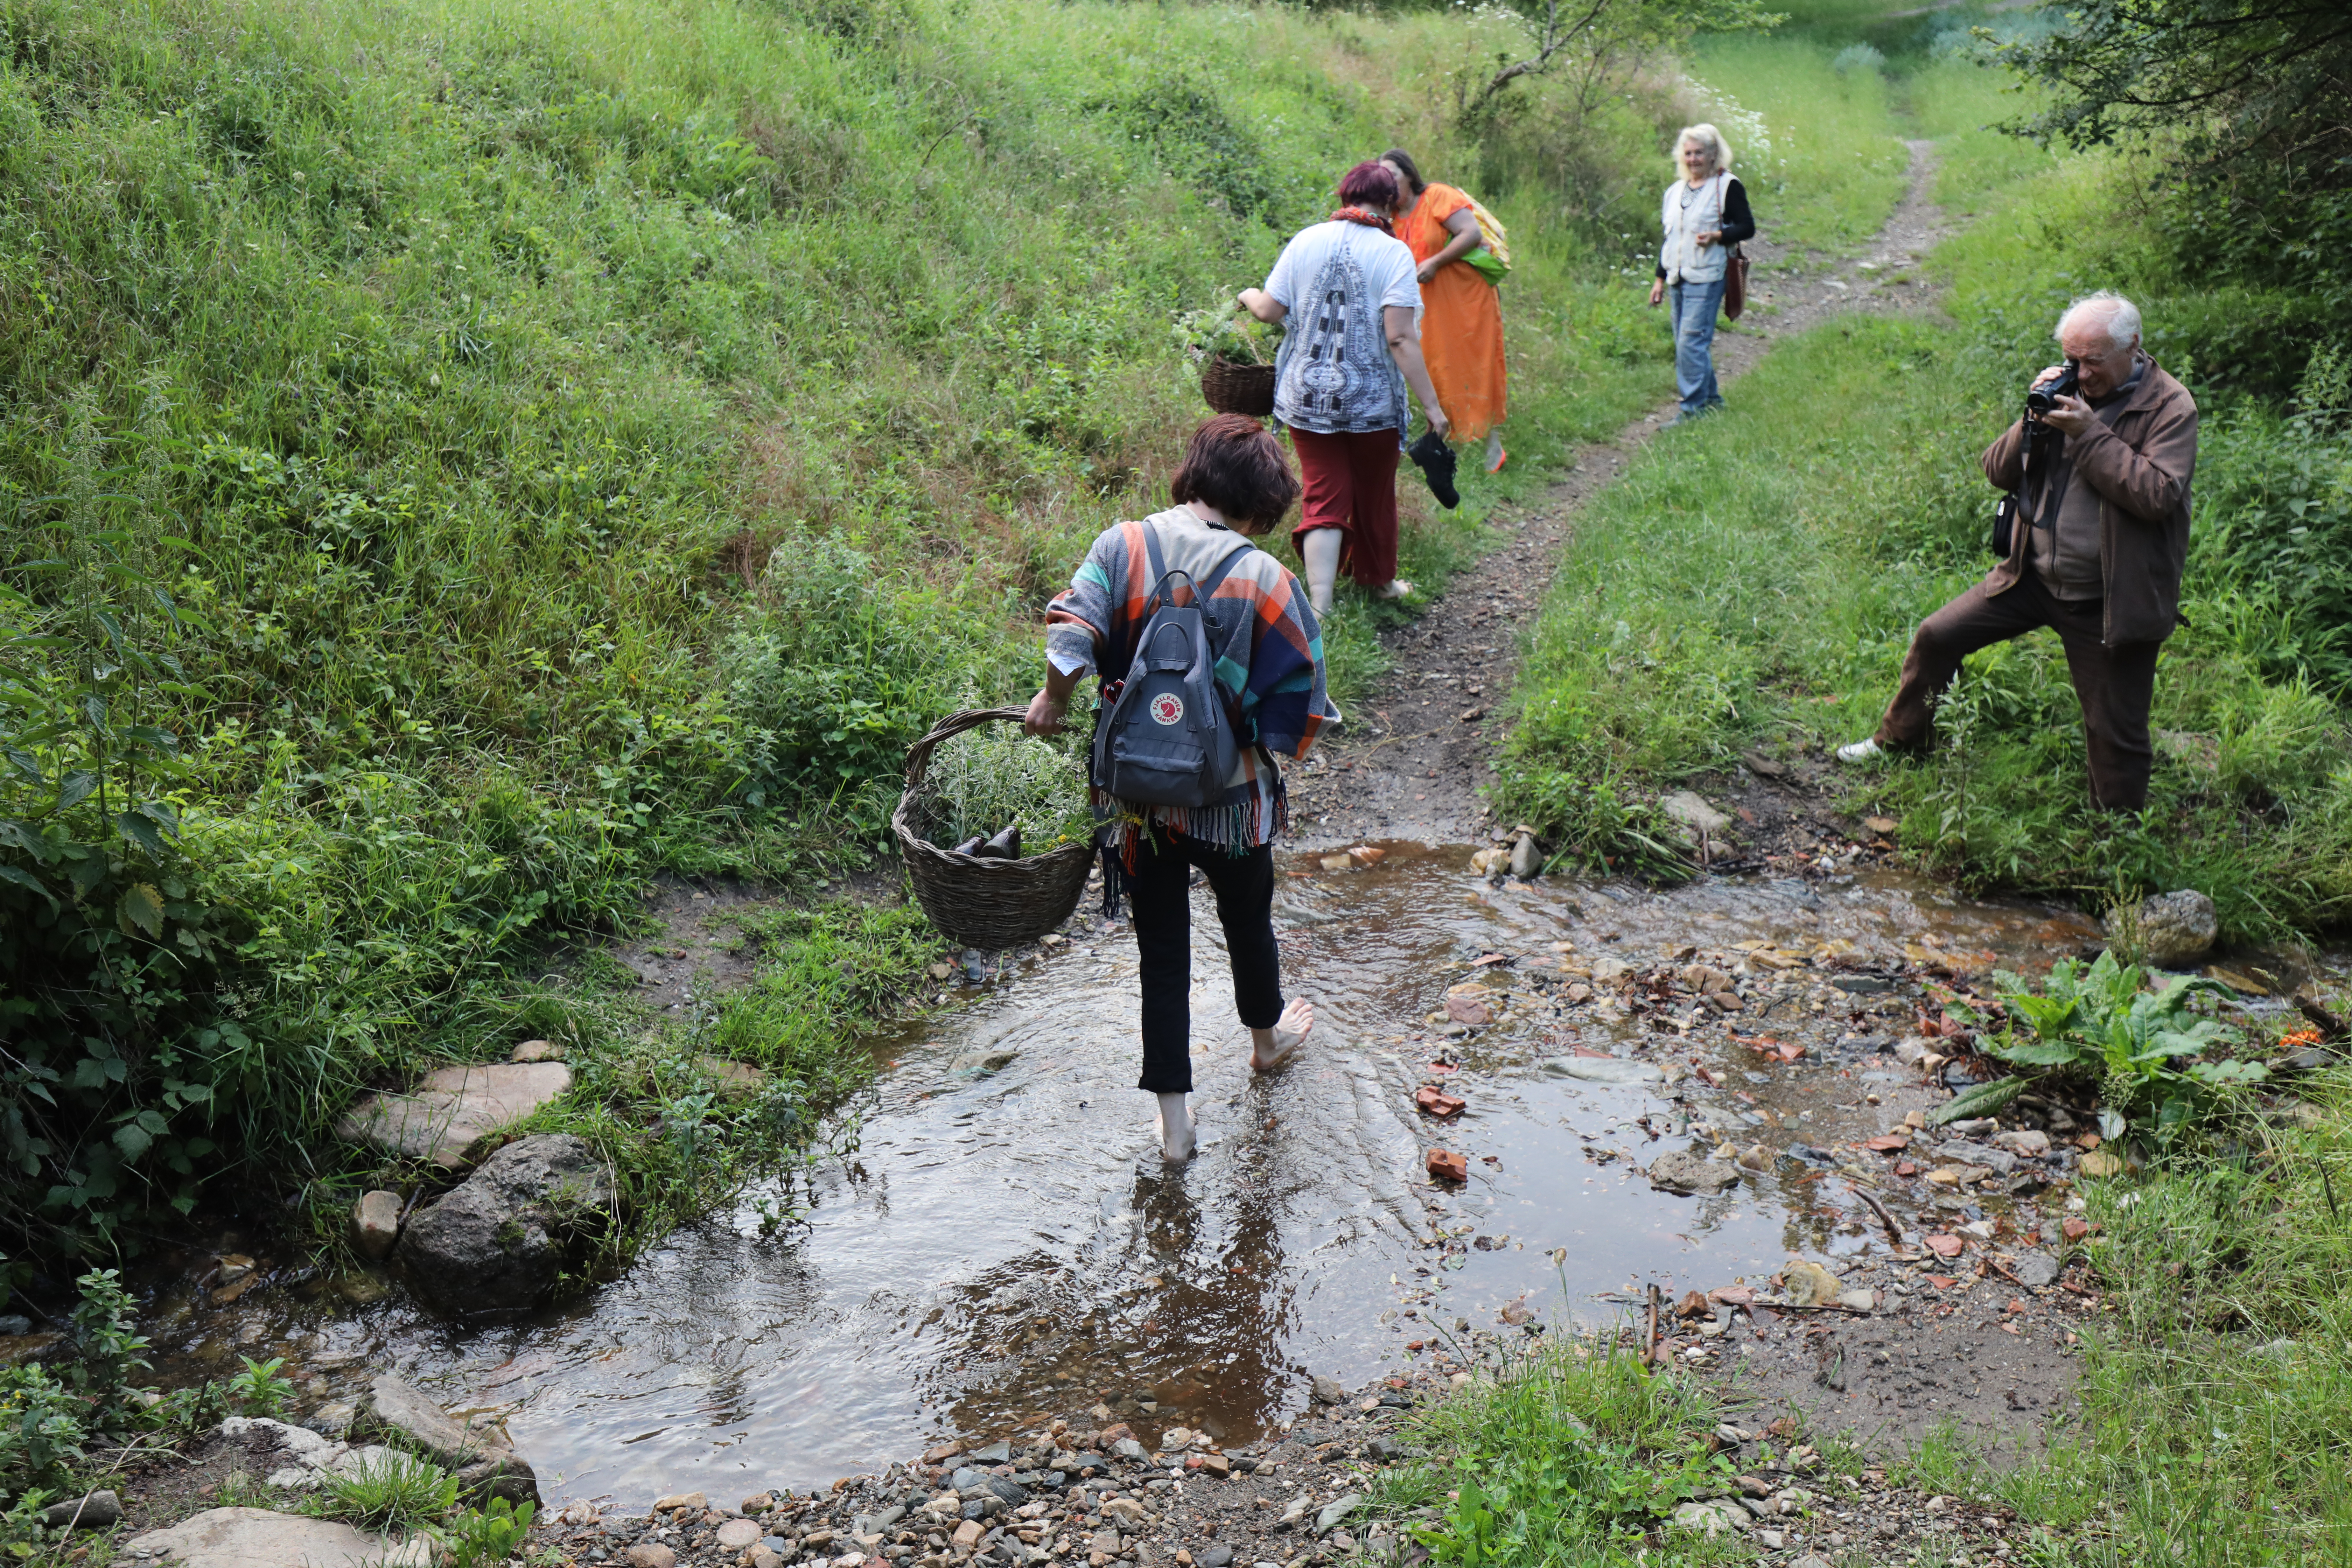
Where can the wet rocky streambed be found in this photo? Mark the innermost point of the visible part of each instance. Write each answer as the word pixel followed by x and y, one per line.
pixel 1000 1248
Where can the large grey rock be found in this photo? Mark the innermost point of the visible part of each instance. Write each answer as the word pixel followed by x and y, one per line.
pixel 448 1116
pixel 478 1450
pixel 258 1538
pixel 503 1236
pixel 1525 859
pixel 1686 1171
pixel 2170 929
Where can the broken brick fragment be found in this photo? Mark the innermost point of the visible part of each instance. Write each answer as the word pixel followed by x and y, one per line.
pixel 1436 1102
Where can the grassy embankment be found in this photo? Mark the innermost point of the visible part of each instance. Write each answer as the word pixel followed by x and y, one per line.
pixel 1754 583
pixel 461 461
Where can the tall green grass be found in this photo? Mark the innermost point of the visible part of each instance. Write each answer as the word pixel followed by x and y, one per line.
pixel 1960 102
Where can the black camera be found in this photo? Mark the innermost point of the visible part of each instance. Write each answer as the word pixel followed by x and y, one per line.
pixel 2043 397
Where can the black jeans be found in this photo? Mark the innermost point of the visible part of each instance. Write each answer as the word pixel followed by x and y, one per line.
pixel 1159 888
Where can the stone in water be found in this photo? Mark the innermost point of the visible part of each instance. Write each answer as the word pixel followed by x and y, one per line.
pixel 1603 1070
pixel 1685 1171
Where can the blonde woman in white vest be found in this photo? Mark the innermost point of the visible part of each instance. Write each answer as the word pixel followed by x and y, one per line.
pixel 1705 214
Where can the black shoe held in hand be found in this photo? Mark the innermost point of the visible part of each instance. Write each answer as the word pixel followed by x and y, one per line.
pixel 1435 459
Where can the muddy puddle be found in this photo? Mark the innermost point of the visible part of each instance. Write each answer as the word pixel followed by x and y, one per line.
pixel 1004 1242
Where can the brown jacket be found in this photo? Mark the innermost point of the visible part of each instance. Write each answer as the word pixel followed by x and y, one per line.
pixel 2141 468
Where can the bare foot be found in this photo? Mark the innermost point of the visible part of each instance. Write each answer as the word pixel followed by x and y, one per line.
pixel 1398 588
pixel 1173 1122
pixel 1273 1048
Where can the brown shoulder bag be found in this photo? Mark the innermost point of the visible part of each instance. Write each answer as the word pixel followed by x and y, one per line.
pixel 1735 269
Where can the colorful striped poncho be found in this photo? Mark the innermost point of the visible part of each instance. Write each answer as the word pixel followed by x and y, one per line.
pixel 1269 663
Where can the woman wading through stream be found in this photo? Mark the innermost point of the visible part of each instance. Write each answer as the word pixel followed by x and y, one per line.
pixel 1234 485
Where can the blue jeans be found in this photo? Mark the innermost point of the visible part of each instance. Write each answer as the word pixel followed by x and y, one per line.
pixel 1694 307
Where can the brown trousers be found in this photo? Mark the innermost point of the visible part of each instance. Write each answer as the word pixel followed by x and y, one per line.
pixel 2114 685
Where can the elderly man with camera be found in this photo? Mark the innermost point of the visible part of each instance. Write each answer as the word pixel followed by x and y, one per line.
pixel 2092 538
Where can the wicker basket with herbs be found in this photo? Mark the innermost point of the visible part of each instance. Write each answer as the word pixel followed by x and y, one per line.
pixel 1236 353
pixel 968 810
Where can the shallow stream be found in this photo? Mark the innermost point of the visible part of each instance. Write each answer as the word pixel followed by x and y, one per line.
pixel 1003 1241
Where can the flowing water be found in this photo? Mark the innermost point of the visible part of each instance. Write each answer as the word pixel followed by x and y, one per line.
pixel 1003 1241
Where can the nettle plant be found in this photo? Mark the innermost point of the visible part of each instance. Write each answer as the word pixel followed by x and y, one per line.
pixel 108 952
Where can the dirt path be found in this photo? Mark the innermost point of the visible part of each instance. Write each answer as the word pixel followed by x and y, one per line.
pixel 1411 762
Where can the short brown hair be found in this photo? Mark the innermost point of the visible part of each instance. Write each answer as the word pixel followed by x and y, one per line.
pixel 1235 464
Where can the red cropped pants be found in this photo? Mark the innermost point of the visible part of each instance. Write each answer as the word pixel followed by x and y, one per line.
pixel 1351 483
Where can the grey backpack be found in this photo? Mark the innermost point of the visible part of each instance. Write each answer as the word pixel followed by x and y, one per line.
pixel 1166 738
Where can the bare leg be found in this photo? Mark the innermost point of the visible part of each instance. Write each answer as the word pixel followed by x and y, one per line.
pixel 1271 1048
pixel 1494 453
pixel 1320 549
pixel 1397 589
pixel 1177 1140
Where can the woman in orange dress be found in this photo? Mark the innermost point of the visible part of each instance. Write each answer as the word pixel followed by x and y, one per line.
pixel 1462 320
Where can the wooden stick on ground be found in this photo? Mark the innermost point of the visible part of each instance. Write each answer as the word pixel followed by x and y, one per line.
pixel 1894 1231
pixel 2330 1023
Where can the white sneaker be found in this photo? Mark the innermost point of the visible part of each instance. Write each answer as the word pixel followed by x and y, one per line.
pixel 1864 751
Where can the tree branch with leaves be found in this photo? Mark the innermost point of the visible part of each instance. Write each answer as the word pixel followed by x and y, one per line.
pixel 1600 36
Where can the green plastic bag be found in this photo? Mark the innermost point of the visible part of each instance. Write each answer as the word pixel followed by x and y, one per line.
pixel 1493 257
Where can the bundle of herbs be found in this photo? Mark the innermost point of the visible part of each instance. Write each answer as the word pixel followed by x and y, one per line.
pixel 991 791
pixel 1225 332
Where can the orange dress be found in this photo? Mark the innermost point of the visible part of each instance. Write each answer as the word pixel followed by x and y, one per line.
pixel 1462 320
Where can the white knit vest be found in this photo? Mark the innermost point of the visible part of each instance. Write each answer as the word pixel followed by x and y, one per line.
pixel 1688 214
